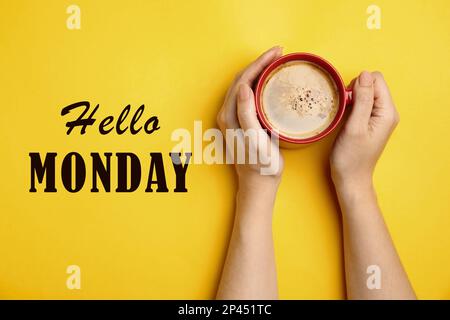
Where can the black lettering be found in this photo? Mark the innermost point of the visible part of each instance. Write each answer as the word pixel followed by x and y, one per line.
pixel 98 168
pixel 122 172
pixel 66 172
pixel 123 115
pixel 180 170
pixel 154 122
pixel 104 123
pixel 41 169
pixel 158 165
pixel 135 119
pixel 79 121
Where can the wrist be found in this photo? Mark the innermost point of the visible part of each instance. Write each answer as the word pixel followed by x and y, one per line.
pixel 354 186
pixel 344 181
pixel 256 183
pixel 256 198
pixel 353 194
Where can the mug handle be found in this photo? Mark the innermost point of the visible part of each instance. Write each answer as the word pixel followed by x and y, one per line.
pixel 348 96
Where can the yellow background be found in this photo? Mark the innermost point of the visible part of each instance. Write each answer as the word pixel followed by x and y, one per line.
pixel 177 58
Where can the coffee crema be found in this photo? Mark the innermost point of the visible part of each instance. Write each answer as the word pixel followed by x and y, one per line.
pixel 299 99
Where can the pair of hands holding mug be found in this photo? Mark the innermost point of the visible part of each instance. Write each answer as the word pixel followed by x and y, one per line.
pixel 359 144
pixel 249 270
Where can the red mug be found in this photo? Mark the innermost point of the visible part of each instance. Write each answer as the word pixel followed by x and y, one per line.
pixel 345 98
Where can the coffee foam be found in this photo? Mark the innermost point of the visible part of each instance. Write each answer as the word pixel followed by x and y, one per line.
pixel 300 99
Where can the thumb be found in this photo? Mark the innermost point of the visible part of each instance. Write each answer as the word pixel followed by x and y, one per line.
pixel 246 110
pixel 363 99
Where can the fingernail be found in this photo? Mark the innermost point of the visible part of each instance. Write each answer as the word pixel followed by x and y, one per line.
pixel 243 92
pixel 365 79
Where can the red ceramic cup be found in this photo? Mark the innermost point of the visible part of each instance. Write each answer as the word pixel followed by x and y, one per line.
pixel 344 97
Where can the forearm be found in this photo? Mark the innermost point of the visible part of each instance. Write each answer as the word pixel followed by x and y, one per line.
pixel 367 243
pixel 249 271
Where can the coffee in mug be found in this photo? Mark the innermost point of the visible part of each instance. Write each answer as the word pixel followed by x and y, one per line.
pixel 301 98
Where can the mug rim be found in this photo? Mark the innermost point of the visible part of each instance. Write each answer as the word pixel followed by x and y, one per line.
pixel 319 61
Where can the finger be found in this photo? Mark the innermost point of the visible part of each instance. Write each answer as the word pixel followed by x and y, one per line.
pixel 382 95
pixel 227 117
pixel 363 95
pixel 251 128
pixel 352 83
pixel 246 110
pixel 252 71
pixel 228 110
pixel 384 107
pixel 256 67
pixel 227 121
